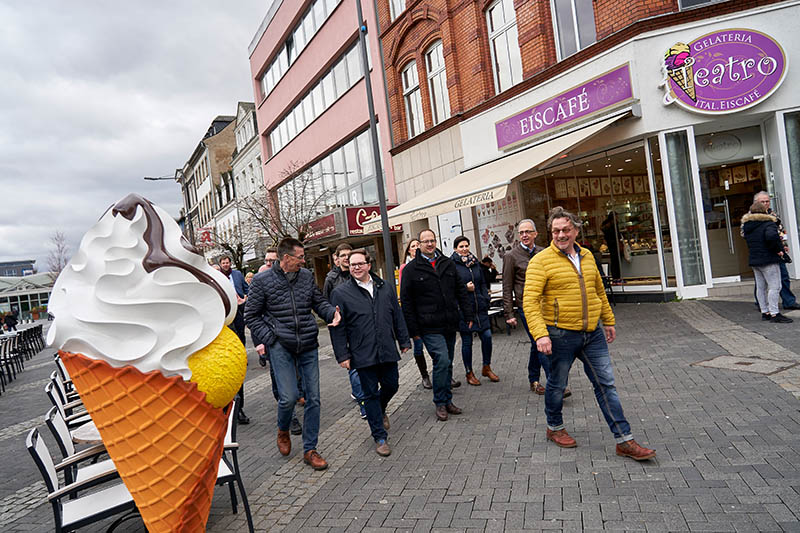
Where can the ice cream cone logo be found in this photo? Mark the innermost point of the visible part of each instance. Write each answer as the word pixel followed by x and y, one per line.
pixel 678 63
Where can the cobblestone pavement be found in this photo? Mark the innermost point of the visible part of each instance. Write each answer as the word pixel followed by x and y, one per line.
pixel 727 436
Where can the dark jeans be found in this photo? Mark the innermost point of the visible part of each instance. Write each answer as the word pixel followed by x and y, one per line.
pixel 286 364
pixel 787 296
pixel 536 361
pixel 355 385
pixel 419 358
pixel 591 349
pixel 275 387
pixel 466 348
pixel 378 384
pixel 441 346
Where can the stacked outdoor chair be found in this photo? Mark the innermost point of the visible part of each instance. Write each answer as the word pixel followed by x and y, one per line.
pixel 10 357
pixel 229 464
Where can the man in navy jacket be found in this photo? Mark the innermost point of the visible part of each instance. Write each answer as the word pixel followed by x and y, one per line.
pixel 240 285
pixel 366 340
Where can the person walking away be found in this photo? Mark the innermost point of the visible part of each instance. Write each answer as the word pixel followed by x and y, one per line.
pixel 240 285
pixel 788 298
pixel 339 275
pixel 564 302
pixel 471 276
pixel 270 258
pixel 364 341
pixel 278 311
pixel 432 298
pixel 515 264
pixel 764 257
pixel 419 355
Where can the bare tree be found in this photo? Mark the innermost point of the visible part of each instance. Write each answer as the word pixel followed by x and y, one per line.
pixel 237 242
pixel 289 212
pixel 59 255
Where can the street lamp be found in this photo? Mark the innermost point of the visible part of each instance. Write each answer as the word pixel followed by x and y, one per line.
pixel 376 154
pixel 180 178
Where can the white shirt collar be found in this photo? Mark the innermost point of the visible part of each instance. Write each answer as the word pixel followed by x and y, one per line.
pixel 368 286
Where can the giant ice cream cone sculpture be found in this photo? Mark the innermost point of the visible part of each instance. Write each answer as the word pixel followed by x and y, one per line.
pixel 678 62
pixel 140 324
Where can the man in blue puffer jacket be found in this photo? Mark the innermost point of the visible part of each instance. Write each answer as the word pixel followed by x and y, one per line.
pixel 278 313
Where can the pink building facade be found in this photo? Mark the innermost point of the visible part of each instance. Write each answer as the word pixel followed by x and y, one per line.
pixel 313 124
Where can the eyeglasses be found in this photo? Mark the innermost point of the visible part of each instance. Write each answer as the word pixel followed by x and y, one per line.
pixel 565 231
pixel 526 231
pixel 298 257
pixel 429 241
pixel 358 265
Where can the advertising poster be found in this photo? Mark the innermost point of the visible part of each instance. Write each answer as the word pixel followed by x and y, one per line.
pixel 497 227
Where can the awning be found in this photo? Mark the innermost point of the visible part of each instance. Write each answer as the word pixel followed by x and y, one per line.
pixel 486 183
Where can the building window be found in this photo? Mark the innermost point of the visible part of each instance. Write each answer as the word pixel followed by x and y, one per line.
pixel 437 83
pixel 574 24
pixel 504 44
pixel 688 4
pixel 396 7
pixel 413 100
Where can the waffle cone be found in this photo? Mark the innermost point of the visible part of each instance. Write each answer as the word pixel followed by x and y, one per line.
pixel 164 438
pixel 685 83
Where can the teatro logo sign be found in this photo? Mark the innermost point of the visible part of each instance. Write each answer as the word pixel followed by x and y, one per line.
pixel 723 72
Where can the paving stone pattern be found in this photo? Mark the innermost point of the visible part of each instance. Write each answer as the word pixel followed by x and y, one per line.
pixel 728 443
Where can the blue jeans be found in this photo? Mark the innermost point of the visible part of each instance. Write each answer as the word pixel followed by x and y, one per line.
pixel 591 349
pixel 466 348
pixel 307 364
pixel 275 387
pixel 536 361
pixel 355 384
pixel 787 297
pixel 380 382
pixel 441 346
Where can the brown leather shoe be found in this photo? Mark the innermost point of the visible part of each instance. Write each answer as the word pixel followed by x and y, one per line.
pixel 441 413
pixel 561 438
pixel 632 449
pixel 386 424
pixel 383 449
pixel 284 442
pixel 487 372
pixel 567 393
pixel 301 401
pixel 472 380
pixel 537 388
pixel 452 409
pixel 313 458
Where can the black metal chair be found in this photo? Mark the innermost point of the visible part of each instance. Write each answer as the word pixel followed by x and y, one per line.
pixel 229 465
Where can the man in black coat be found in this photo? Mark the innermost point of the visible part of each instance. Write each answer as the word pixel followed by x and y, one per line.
pixel 278 313
pixel 366 340
pixel 432 295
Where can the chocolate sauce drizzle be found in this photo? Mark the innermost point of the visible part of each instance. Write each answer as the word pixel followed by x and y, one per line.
pixel 157 255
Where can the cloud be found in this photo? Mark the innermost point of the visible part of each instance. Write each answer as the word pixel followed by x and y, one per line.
pixel 97 95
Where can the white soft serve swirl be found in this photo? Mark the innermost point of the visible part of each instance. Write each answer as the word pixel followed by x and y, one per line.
pixel 108 307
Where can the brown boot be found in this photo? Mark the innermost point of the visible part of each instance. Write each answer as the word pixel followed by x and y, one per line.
pixel 537 388
pixel 383 449
pixel 313 458
pixel 386 424
pixel 441 413
pixel 561 438
pixel 631 449
pixel 472 380
pixel 284 442
pixel 452 409
pixel 487 372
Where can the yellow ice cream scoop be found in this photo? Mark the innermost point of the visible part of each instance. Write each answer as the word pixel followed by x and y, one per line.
pixel 219 368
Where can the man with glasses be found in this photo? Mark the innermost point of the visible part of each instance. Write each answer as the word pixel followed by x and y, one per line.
pixel 515 263
pixel 278 312
pixel 432 294
pixel 564 302
pixel 365 341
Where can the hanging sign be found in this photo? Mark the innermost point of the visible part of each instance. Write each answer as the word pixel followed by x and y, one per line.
pixel 723 72
pixel 591 98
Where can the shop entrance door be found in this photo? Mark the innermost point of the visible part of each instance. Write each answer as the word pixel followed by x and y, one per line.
pixel 731 172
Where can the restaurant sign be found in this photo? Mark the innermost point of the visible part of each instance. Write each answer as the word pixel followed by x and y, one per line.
pixel 321 228
pixel 591 98
pixel 358 217
pixel 723 72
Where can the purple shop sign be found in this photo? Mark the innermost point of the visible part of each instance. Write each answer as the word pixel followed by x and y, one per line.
pixel 588 99
pixel 724 71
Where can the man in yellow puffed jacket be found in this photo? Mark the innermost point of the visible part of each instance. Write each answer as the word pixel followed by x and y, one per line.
pixel 564 301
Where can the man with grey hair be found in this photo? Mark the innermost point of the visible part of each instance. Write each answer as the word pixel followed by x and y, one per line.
pixel 564 302
pixel 515 263
pixel 787 297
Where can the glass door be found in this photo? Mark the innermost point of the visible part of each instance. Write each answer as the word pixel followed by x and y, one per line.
pixel 682 188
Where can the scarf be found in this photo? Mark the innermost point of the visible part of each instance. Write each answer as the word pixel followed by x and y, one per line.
pixel 468 260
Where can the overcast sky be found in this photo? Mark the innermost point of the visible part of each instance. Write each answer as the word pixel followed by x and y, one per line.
pixel 95 95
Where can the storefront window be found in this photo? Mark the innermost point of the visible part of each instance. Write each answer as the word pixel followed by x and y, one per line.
pixel 687 227
pixel 793 145
pixel 660 214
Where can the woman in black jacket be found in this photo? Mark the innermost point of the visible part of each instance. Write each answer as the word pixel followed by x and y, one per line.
pixel 760 230
pixel 470 274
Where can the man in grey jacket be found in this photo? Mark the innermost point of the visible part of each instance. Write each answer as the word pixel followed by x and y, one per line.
pixel 278 313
